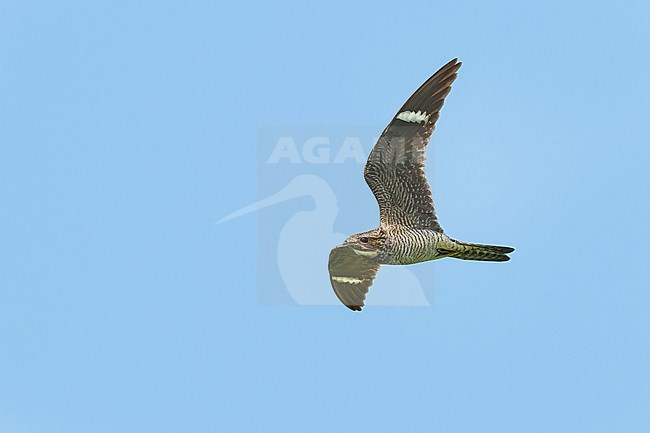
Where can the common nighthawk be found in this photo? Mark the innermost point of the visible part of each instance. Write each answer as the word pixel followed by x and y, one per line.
pixel 409 231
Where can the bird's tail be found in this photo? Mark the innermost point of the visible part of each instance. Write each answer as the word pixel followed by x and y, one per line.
pixel 486 253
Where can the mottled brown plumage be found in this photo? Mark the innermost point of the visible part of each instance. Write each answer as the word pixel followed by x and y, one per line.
pixel 409 231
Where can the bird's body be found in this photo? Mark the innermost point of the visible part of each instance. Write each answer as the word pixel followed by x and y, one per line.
pixel 406 246
pixel 409 231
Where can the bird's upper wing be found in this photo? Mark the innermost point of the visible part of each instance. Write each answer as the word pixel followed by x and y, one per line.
pixel 351 275
pixel 395 168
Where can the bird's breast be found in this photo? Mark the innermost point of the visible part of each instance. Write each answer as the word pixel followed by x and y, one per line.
pixel 408 246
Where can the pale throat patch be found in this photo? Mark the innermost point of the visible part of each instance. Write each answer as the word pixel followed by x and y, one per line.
pixel 372 253
pixel 413 117
pixel 347 280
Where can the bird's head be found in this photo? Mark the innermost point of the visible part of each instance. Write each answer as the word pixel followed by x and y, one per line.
pixel 367 244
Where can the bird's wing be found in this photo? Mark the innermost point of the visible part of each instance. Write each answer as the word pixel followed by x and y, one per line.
pixel 395 168
pixel 351 276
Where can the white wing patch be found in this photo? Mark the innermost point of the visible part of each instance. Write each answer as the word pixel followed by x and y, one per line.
pixel 413 117
pixel 347 280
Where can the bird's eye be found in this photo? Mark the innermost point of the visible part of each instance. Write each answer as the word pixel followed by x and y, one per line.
pixel 363 239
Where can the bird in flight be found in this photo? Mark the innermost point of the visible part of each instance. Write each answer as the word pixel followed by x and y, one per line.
pixel 409 231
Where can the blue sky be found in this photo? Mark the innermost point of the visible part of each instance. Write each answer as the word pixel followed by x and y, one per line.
pixel 128 128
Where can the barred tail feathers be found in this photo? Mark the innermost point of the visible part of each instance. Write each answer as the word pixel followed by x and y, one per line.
pixel 485 253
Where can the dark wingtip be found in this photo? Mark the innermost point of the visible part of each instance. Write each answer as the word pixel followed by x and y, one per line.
pixel 355 307
pixel 452 65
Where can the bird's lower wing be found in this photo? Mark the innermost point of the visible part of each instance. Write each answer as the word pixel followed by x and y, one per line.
pixel 351 276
